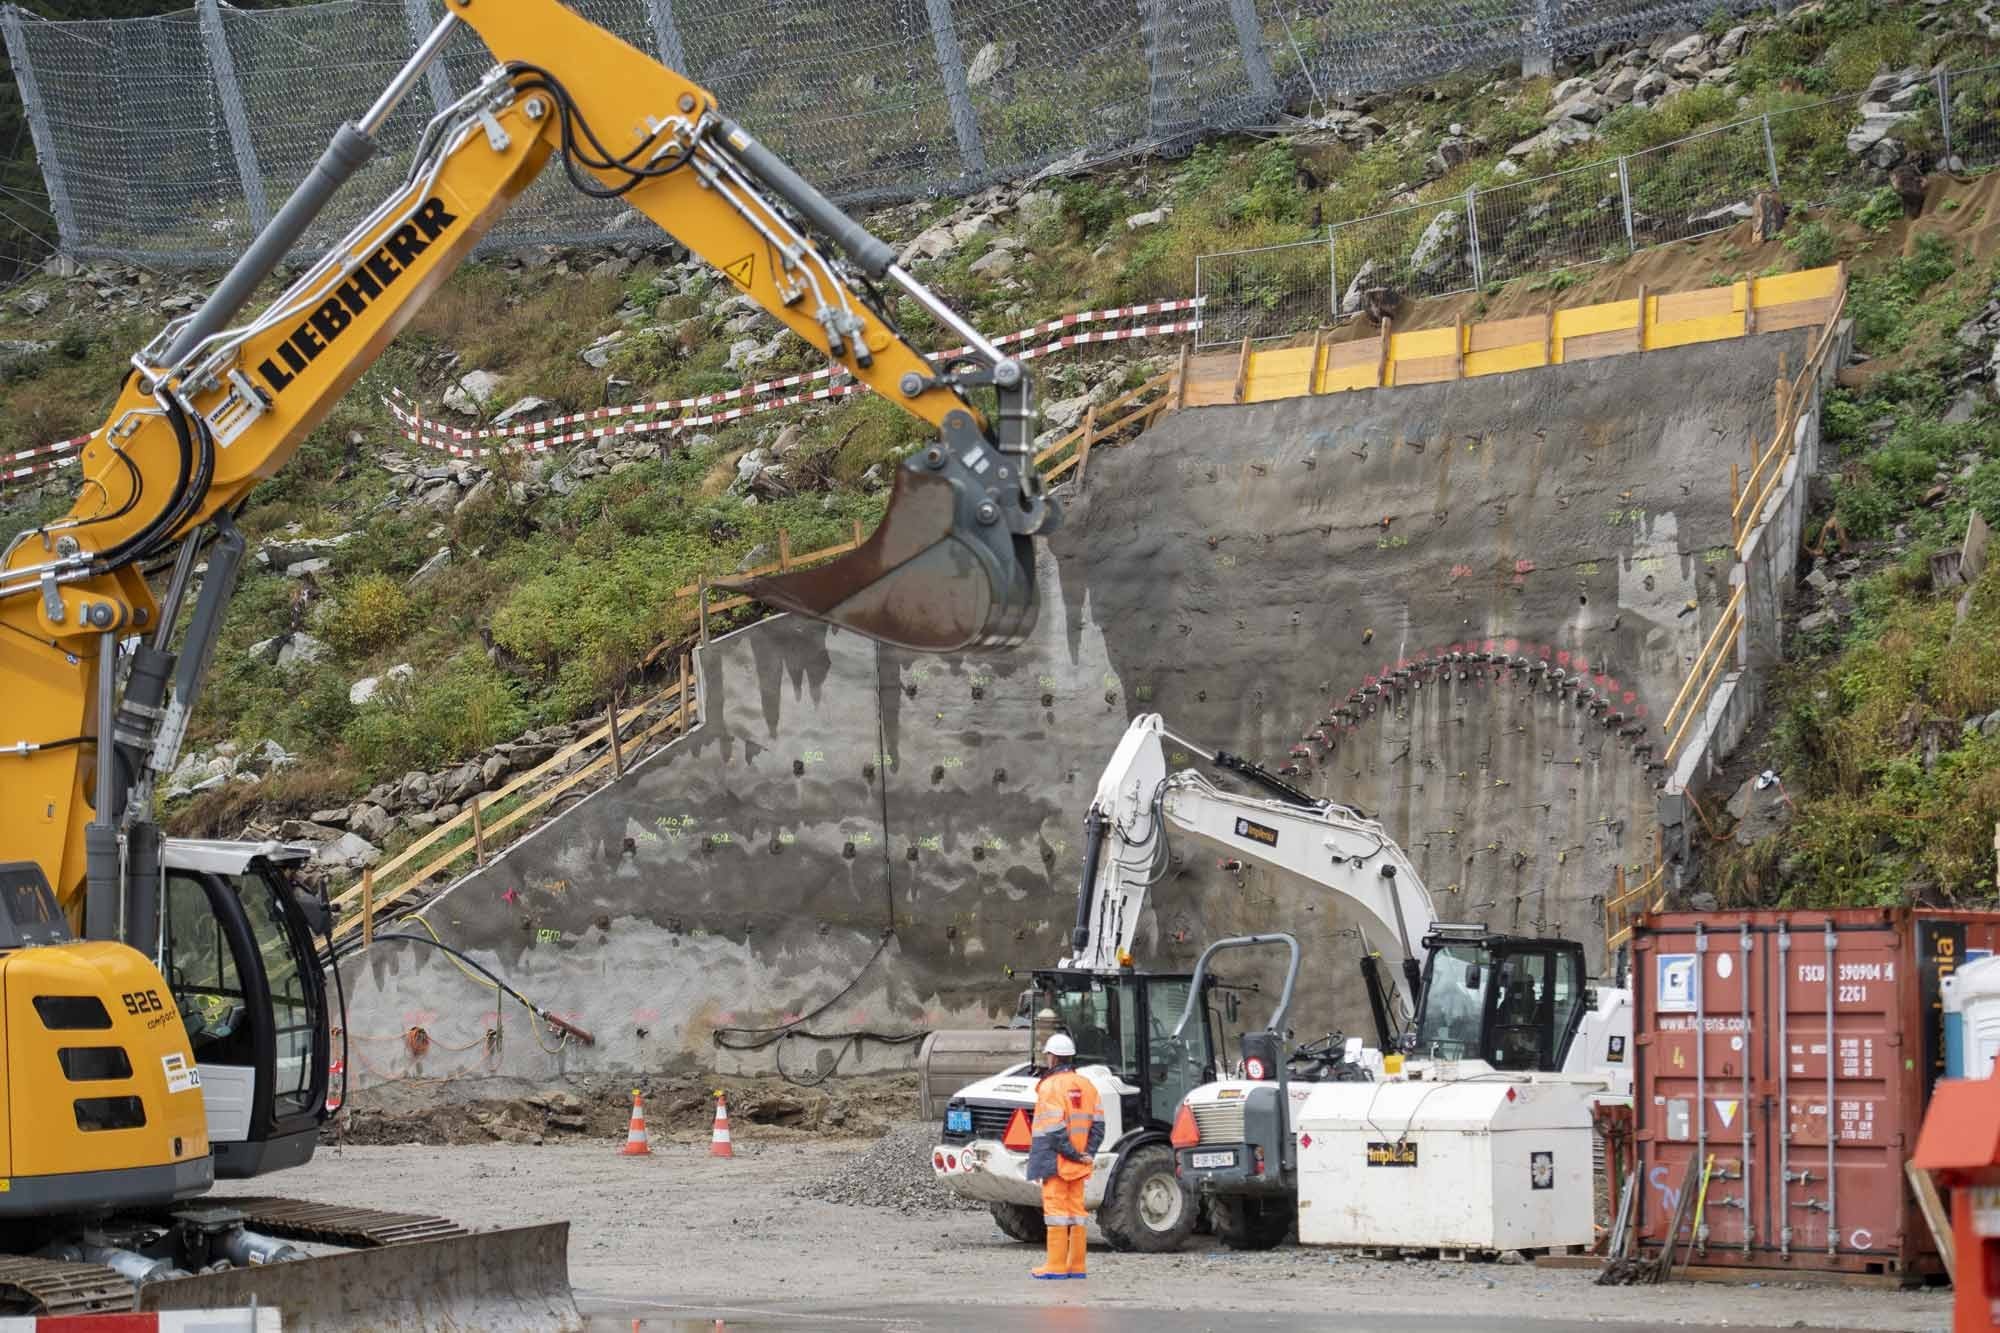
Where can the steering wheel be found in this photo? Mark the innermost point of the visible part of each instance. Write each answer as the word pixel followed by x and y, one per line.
pixel 1330 1049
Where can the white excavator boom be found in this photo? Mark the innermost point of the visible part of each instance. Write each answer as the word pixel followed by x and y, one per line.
pixel 1140 805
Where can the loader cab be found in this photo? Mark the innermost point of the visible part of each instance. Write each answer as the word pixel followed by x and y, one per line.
pixel 1510 1001
pixel 237 953
pixel 1125 1021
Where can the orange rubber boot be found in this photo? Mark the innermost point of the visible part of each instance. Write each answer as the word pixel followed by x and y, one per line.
pixel 1057 1267
pixel 1077 1237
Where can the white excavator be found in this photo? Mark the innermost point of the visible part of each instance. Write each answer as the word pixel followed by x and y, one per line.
pixel 1121 1018
pixel 1145 1191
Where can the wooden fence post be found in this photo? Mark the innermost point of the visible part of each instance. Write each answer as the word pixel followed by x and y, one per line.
pixel 1458 348
pixel 1735 499
pixel 368 906
pixel 478 834
pixel 701 606
pixel 784 550
pixel 1549 336
pixel 683 723
pixel 1382 353
pixel 1642 316
pixel 1313 377
pixel 617 746
pixel 1083 445
pixel 1180 379
pixel 857 533
pixel 1242 371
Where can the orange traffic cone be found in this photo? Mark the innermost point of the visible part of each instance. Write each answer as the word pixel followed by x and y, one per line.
pixel 636 1144
pixel 718 1146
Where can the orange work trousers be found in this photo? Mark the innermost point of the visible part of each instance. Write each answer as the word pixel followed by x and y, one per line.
pixel 1062 1202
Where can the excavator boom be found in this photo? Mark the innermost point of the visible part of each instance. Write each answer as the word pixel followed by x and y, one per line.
pixel 217 403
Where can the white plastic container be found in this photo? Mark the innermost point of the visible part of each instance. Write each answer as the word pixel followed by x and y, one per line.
pixel 1971 998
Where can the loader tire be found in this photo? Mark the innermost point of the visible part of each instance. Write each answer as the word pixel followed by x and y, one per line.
pixel 1020 1222
pixel 1251 1223
pixel 1149 1209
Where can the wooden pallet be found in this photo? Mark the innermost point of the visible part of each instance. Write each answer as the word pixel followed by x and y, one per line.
pixel 1747 1276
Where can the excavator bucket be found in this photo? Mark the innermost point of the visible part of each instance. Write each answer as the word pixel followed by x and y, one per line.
pixel 509 1281
pixel 932 577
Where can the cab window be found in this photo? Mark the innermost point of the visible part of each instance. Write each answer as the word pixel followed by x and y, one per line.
pixel 1454 1004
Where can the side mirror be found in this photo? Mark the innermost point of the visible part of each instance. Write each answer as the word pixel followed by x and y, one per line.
pixel 318 913
pixel 1231 1007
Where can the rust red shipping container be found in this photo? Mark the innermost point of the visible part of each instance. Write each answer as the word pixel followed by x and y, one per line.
pixel 1799 1049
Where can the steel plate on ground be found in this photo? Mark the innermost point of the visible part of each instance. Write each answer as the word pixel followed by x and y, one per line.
pixel 510 1281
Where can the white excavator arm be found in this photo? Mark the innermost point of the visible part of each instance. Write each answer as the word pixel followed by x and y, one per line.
pixel 1140 804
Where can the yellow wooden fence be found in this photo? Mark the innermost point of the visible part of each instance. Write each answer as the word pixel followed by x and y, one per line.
pixel 1648 322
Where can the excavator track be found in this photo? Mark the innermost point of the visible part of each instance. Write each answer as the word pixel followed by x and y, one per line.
pixel 49 1286
pixel 334 1224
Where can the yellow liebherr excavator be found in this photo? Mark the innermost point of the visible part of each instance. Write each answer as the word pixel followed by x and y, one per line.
pixel 163 1016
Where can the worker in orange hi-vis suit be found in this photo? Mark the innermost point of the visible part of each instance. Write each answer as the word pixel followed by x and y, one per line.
pixel 1069 1129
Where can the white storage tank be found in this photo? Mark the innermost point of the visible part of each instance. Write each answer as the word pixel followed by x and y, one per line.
pixel 1971 998
pixel 1480 1164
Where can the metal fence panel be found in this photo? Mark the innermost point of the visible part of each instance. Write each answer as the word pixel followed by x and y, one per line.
pixel 1264 293
pixel 1551 222
pixel 1973 102
pixel 1697 185
pixel 1421 250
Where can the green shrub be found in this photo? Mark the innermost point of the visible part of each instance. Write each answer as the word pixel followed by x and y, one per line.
pixel 369 612
pixel 435 718
pixel 1880 210
pixel 1812 245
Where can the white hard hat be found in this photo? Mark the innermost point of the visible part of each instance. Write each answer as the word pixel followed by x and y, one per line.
pixel 1060 1044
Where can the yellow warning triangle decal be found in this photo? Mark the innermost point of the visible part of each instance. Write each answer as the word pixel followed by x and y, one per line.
pixel 742 271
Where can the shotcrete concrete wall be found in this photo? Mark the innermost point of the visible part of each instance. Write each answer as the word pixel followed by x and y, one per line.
pixel 861 840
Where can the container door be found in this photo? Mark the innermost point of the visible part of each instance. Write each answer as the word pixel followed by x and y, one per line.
pixel 1837 1174
pixel 1701 990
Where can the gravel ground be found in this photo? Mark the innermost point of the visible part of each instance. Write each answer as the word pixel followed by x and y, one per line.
pixel 893 1172
pixel 681 1230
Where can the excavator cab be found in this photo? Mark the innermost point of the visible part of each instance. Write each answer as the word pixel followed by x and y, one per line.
pixel 238 958
pixel 1514 1002
pixel 1124 1021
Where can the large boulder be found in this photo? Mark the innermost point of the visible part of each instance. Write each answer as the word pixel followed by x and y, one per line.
pixel 472 392
pixel 465 781
pixel 431 568
pixel 991 61
pixel 364 690
pixel 349 851
pixel 1438 248
pixel 370 821
pixel 300 649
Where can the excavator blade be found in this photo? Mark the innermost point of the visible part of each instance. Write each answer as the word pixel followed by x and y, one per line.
pixel 932 577
pixel 510 1281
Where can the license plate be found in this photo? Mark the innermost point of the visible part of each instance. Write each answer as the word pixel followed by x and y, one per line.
pixel 958 1122
pixel 1204 1160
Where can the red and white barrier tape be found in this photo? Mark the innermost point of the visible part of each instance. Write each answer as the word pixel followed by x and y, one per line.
pixel 521 430
pixel 60 446
pixel 536 436
pixel 236 1320
pixel 422 430
pixel 30 469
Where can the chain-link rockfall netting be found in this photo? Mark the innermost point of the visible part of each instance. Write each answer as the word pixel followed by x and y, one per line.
pixel 169 139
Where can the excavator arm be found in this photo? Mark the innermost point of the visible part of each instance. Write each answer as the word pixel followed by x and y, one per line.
pixel 221 399
pixel 1140 803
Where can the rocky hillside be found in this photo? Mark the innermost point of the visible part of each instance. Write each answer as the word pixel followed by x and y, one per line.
pixel 415 625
